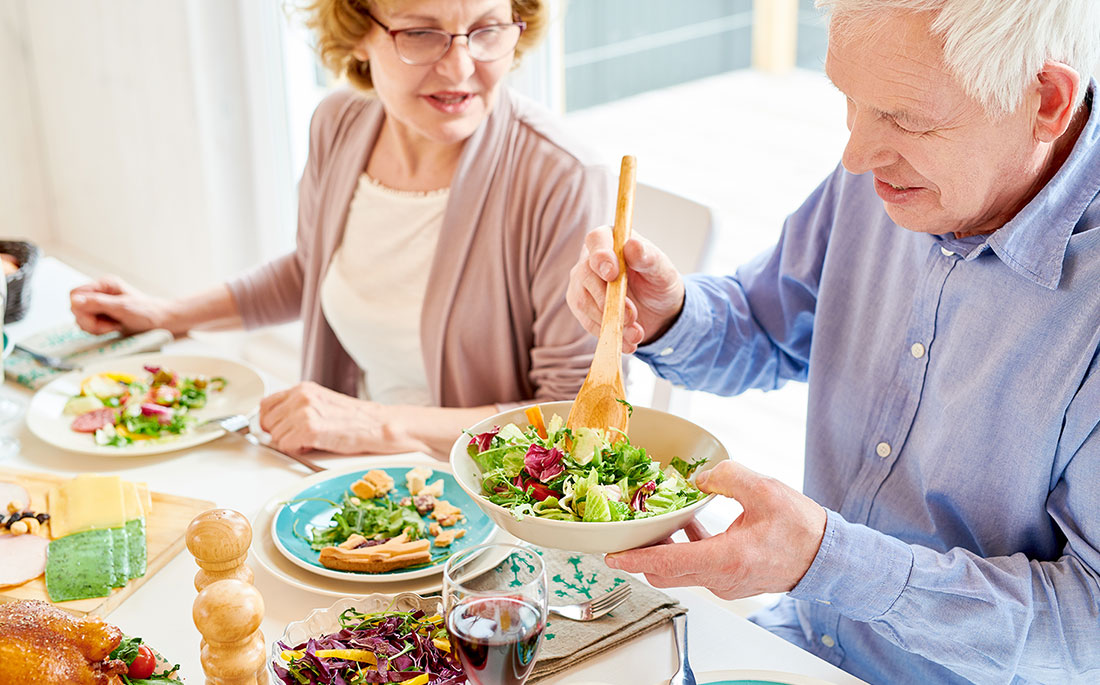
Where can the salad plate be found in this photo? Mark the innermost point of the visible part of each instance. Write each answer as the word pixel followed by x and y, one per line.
pixel 311 504
pixel 242 392
pixel 755 677
pixel 549 497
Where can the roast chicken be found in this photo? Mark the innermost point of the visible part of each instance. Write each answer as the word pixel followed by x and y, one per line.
pixel 43 645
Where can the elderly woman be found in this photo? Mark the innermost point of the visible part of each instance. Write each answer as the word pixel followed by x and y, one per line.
pixel 439 214
pixel 939 293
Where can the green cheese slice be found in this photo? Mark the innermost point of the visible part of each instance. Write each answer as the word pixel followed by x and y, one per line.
pixel 80 566
pixel 135 534
pixel 121 557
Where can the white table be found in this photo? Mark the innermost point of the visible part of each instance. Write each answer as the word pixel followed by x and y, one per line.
pixel 235 474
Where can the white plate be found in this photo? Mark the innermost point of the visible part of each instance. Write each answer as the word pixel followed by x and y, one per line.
pixel 242 394
pixel 268 555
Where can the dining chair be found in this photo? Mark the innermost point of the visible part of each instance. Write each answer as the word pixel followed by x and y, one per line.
pixel 683 229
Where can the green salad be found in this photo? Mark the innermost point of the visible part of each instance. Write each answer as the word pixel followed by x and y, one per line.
pixel 553 472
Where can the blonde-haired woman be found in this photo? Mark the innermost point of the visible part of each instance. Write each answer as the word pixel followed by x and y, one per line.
pixel 439 215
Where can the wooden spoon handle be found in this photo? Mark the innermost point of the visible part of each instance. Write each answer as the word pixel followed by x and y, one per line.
pixel 611 326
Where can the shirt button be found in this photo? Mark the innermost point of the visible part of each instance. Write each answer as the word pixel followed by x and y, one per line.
pixel 828 641
pixel 882 449
pixel 946 252
pixel 917 349
pixel 667 351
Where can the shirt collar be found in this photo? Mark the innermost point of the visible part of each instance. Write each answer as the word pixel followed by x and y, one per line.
pixel 1033 243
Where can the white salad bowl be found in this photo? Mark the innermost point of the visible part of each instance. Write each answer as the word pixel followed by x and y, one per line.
pixel 663 436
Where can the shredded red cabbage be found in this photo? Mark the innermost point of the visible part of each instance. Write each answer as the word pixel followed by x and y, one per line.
pixel 401 642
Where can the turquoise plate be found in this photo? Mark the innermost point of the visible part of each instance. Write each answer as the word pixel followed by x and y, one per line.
pixel 8 345
pixel 756 677
pixel 304 511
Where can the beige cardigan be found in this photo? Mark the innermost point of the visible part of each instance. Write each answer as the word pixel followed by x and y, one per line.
pixel 495 328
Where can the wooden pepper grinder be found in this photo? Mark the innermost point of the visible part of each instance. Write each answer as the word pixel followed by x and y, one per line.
pixel 219 540
pixel 228 613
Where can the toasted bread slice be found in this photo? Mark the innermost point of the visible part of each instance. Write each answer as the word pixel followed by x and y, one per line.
pixel 390 555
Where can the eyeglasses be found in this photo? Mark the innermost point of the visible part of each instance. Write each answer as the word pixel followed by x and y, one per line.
pixel 421 46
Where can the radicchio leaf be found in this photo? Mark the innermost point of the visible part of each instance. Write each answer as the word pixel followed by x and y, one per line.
pixel 484 440
pixel 544 464
pixel 637 503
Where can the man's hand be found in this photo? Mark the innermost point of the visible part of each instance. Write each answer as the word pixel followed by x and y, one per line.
pixel 768 548
pixel 654 294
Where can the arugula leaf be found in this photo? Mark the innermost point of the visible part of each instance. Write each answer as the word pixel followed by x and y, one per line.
pixel 684 468
pixel 127 650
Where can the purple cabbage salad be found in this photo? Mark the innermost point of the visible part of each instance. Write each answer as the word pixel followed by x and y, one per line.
pixel 380 647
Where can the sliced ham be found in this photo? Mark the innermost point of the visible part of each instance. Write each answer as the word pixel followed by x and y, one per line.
pixel 22 558
pixel 94 420
pixel 13 492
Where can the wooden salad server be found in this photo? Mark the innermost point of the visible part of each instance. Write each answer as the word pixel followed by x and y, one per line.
pixel 601 402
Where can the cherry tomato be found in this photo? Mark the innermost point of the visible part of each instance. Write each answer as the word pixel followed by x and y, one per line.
pixel 143 664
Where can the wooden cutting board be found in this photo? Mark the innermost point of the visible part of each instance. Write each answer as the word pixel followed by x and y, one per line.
pixel 165 529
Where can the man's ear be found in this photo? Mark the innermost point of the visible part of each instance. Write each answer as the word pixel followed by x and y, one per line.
pixel 1058 85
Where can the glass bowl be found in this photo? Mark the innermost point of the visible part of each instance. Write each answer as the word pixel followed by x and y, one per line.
pixel 326 621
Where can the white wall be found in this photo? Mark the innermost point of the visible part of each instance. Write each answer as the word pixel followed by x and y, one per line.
pixel 134 136
pixel 23 202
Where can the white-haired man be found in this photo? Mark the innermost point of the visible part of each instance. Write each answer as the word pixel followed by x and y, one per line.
pixel 950 529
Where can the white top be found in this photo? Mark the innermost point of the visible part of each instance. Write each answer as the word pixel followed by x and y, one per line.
pixel 374 289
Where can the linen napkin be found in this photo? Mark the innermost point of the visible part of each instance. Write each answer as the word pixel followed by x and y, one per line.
pixel 74 345
pixel 575 577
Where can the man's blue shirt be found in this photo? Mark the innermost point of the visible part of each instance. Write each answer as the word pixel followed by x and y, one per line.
pixel 953 426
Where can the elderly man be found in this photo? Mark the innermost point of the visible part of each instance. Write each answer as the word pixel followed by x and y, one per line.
pixel 940 292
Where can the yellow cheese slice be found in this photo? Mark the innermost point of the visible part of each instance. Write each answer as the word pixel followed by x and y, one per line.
pixel 89 501
pixel 146 499
pixel 132 505
pixel 59 512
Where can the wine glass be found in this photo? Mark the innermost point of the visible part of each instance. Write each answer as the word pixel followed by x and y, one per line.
pixel 496 618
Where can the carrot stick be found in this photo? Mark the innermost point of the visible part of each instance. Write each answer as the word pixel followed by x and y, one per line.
pixel 534 416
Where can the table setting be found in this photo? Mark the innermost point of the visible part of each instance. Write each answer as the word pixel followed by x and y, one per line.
pixel 576 621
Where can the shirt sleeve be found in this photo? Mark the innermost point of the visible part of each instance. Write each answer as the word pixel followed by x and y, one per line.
pixel 752 329
pixel 988 619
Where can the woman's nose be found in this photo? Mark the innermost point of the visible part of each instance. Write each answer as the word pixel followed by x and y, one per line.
pixel 456 63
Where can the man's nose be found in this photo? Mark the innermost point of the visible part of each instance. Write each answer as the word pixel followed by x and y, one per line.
pixel 456 64
pixel 866 148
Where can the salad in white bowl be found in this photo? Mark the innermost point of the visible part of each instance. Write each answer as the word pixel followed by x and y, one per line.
pixel 579 489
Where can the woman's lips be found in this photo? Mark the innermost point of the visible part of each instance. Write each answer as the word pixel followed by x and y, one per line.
pixel 449 102
pixel 894 193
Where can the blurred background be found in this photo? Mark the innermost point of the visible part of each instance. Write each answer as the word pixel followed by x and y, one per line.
pixel 163 141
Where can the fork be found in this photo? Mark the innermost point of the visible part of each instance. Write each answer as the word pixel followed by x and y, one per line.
pixel 239 423
pixel 683 674
pixel 593 608
pixel 46 359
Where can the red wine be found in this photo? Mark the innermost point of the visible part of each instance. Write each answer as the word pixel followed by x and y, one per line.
pixel 496 638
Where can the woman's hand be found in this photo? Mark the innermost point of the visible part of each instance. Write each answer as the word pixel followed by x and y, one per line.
pixel 110 304
pixel 311 417
pixel 654 294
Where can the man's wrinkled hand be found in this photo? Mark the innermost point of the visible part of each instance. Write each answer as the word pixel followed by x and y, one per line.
pixel 768 548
